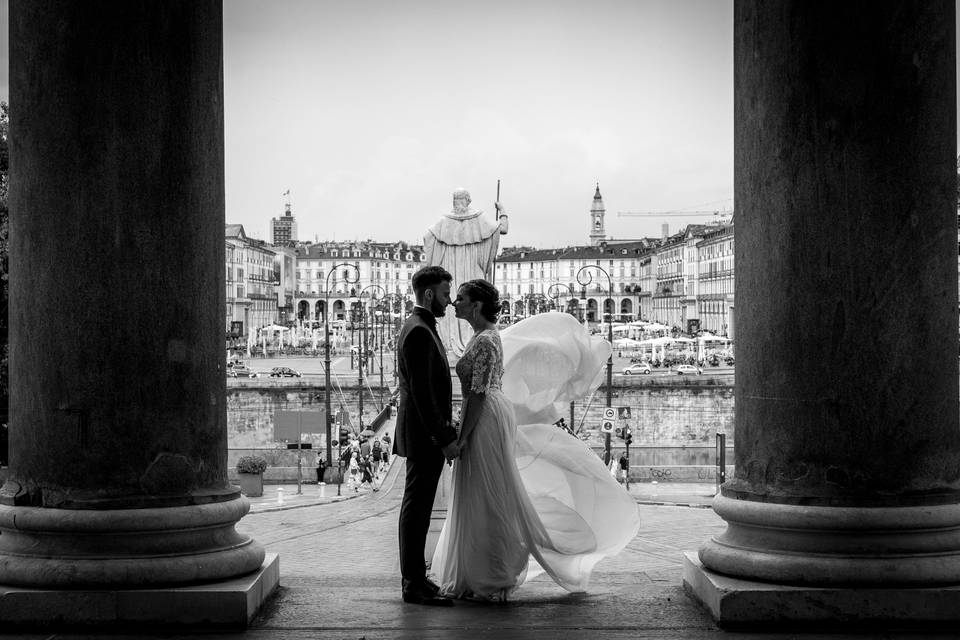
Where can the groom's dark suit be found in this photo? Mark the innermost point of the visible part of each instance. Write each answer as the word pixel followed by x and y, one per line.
pixel 423 428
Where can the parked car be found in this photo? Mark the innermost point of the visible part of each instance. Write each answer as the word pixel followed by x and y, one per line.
pixel 241 370
pixel 284 372
pixel 687 370
pixel 639 367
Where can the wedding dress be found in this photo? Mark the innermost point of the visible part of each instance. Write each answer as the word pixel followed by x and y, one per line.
pixel 530 498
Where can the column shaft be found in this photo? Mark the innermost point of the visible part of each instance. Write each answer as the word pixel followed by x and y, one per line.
pixel 116 296
pixel 847 411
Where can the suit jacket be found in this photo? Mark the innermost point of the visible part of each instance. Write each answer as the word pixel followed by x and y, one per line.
pixel 424 417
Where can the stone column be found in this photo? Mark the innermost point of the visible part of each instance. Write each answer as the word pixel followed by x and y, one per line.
pixel 847 428
pixel 118 422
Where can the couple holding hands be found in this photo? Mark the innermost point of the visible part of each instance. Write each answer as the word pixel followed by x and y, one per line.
pixel 527 498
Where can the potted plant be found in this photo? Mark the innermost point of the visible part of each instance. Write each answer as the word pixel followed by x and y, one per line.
pixel 251 470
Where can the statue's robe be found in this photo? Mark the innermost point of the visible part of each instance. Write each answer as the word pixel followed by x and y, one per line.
pixel 466 246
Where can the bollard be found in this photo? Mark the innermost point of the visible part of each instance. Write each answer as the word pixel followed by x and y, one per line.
pixel 323 489
pixel 280 495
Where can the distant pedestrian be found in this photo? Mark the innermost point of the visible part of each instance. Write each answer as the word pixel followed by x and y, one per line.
pixel 624 467
pixel 355 472
pixel 366 473
pixel 365 448
pixel 321 467
pixel 376 456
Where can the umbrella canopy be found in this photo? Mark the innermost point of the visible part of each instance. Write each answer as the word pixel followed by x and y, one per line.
pixel 626 342
pixel 712 338
pixel 274 327
pixel 366 433
pixel 656 326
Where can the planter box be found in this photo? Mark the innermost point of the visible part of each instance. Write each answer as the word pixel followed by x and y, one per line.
pixel 251 484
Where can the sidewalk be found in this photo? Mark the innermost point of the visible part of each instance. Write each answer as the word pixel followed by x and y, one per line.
pixel 279 497
pixel 681 494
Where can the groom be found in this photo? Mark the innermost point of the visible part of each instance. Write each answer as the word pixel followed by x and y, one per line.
pixel 424 435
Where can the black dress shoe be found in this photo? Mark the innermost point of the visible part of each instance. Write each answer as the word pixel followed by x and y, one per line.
pixel 431 586
pixel 414 596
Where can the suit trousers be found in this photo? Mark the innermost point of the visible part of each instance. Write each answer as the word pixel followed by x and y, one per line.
pixel 419 491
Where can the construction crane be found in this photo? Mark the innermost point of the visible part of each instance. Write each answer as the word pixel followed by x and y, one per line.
pixel 663 214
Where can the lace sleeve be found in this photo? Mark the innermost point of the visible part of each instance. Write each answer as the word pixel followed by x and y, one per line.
pixel 484 364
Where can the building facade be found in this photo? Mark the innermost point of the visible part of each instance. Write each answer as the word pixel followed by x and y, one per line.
pixel 344 272
pixel 715 281
pixel 684 281
pixel 251 278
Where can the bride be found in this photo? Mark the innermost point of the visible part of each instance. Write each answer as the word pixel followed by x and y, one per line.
pixel 531 498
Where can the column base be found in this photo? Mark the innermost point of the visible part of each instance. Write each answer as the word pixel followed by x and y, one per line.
pixel 228 604
pixel 125 548
pixel 736 602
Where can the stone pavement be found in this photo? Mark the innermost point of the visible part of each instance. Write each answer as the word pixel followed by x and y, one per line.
pixel 339 579
pixel 340 576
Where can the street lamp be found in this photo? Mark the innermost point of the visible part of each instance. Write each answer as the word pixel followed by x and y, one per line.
pixel 349 270
pixel 362 361
pixel 553 291
pixel 584 278
pixel 394 301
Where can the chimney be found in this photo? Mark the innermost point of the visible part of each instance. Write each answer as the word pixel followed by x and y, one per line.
pixel 666 230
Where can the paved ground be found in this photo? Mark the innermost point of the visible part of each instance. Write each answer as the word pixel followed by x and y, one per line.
pixel 339 577
pixel 339 570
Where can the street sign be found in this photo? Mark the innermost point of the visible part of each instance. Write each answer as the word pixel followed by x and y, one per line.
pixel 606 426
pixel 610 413
pixel 623 413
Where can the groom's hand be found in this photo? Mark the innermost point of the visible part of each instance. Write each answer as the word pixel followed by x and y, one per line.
pixel 451 451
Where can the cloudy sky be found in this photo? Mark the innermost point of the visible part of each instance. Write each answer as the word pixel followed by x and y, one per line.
pixel 371 112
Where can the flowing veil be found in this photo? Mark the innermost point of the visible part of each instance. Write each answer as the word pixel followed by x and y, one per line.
pixel 549 360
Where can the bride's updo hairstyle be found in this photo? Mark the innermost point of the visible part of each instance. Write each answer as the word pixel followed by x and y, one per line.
pixel 485 293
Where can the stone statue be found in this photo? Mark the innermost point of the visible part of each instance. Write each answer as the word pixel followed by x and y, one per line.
pixel 464 243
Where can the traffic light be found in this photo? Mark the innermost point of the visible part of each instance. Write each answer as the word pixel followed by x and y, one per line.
pixel 628 440
pixel 344 437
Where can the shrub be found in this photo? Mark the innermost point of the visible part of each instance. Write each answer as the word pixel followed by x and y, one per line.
pixel 251 464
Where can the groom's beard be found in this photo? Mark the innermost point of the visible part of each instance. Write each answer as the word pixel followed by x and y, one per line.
pixel 438 309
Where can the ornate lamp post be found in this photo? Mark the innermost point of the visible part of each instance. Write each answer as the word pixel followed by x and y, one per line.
pixel 393 300
pixel 553 291
pixel 362 360
pixel 584 278
pixel 348 271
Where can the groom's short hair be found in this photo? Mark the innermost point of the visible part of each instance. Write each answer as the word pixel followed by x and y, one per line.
pixel 428 277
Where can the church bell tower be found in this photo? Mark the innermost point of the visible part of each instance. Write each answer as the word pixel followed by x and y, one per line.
pixel 597 211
